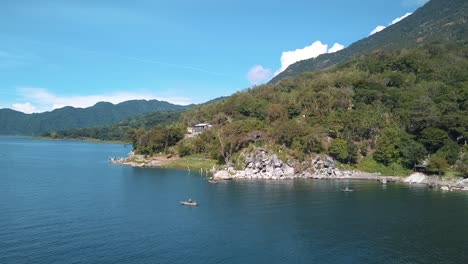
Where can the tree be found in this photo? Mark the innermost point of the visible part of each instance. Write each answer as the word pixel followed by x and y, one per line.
pixel 412 152
pixel 387 150
pixel 438 163
pixel 275 112
pixel 461 166
pixel 284 132
pixel 451 151
pixel 339 150
pixel 53 135
pixel 233 136
pixel 433 138
pixel 160 138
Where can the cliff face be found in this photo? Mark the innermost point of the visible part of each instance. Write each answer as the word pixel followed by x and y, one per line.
pixel 260 164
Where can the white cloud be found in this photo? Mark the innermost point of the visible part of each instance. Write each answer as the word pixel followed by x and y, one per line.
pixel 258 75
pixel 336 47
pixel 377 29
pixel 40 100
pixel 394 21
pixel 292 56
pixel 313 50
pixel 398 19
pixel 27 108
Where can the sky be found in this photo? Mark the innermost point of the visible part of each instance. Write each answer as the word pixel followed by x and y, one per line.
pixel 56 53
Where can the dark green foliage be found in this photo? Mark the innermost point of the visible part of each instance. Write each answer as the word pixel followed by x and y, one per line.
pixel 412 152
pixel 339 149
pixel 157 140
pixel 388 145
pixel 461 166
pixel 162 137
pixel 438 163
pixel 343 151
pixel 433 138
pixel 451 150
pixel 235 135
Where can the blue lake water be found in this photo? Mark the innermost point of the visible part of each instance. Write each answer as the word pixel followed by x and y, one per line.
pixel 62 202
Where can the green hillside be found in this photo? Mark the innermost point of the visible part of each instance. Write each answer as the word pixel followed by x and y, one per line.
pixel 385 111
pixel 438 20
pixel 392 101
pixel 17 123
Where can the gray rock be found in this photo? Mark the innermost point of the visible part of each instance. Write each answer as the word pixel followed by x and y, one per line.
pixel 288 171
pixel 222 175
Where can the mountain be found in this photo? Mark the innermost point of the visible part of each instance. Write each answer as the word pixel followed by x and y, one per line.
pixel 436 21
pixel 119 131
pixel 103 113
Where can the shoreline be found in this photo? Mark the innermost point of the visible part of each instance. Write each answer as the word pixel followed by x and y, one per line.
pixel 166 161
pixel 162 161
pixel 93 140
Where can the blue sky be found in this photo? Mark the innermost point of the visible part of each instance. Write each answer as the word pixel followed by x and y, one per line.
pixel 55 53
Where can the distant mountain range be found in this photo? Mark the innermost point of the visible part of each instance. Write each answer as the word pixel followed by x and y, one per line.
pixel 17 123
pixel 436 21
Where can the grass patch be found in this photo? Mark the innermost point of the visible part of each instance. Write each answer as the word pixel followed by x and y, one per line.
pixel 368 164
pixel 450 174
pixel 192 162
pixel 343 166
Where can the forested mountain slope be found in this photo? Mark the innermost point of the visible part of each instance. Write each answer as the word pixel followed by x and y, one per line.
pixel 436 21
pixel 385 110
pixel 103 113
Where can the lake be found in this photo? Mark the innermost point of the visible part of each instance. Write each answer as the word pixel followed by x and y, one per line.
pixel 62 202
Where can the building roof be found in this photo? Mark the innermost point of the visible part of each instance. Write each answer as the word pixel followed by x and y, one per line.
pixel 202 125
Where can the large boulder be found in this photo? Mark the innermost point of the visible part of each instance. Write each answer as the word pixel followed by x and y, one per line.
pixel 223 175
pixel 445 188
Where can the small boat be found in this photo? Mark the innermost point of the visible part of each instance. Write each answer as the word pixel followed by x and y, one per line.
pixel 189 203
pixel 347 190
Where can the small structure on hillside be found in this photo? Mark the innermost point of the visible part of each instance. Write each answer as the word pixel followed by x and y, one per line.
pixel 198 128
pixel 420 168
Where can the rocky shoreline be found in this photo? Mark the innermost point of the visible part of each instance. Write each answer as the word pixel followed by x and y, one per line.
pixel 259 164
pixel 262 165
pixel 135 160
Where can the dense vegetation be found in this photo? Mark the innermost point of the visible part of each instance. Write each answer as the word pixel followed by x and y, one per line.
pixel 122 131
pixel 437 20
pixel 385 111
pixel 17 123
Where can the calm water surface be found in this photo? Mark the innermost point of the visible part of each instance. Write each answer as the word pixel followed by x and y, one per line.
pixel 61 202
